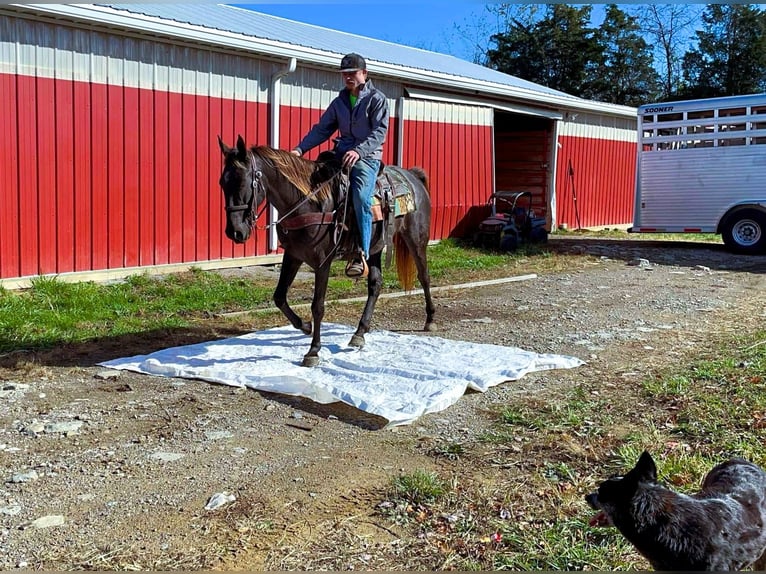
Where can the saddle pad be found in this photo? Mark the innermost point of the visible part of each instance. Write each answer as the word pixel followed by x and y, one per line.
pixel 396 376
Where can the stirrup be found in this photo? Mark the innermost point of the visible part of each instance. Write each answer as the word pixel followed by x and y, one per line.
pixel 357 268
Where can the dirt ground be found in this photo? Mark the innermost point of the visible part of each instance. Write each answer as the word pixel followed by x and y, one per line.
pixel 113 470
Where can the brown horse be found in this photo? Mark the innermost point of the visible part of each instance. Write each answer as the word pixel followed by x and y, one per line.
pixel 310 230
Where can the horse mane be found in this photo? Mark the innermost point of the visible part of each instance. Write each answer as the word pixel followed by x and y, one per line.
pixel 298 171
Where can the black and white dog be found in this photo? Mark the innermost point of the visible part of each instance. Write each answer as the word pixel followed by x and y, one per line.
pixel 721 527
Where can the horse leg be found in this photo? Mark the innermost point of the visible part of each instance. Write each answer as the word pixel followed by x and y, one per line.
pixel 321 277
pixel 418 250
pixel 290 266
pixel 374 283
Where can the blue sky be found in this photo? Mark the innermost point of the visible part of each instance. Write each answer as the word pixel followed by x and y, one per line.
pixel 426 24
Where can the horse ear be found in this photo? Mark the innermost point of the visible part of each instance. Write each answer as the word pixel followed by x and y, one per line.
pixel 241 147
pixel 224 148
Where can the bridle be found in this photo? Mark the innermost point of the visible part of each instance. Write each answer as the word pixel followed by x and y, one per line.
pixel 256 185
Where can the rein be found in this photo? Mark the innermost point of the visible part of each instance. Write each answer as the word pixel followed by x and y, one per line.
pixel 322 218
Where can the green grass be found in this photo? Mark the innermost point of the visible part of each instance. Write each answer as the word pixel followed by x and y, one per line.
pixel 419 487
pixel 53 312
pixel 689 417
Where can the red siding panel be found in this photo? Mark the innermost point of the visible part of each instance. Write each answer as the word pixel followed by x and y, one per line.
pixel 116 181
pixel 201 149
pixel 64 183
pixel 9 180
pixel 176 212
pixel 45 161
pixel 27 182
pixel 258 117
pixel 213 157
pixel 131 194
pixel 146 186
pixel 602 183
pixel 160 149
pixel 458 161
pixel 188 180
pixel 100 175
pixel 83 202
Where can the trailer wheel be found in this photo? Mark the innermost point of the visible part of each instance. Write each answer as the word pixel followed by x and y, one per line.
pixel 745 231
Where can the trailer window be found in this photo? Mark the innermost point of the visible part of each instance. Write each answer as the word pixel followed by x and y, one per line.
pixel 700 115
pixel 738 125
pixel 731 112
pixel 759 126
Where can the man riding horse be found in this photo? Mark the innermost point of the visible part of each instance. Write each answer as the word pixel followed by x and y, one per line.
pixel 360 114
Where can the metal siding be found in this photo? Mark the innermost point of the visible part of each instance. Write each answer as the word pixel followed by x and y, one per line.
pixel 146 154
pixel 9 177
pixel 64 158
pixel 64 185
pixel 453 144
pixel 128 128
pixel 131 166
pixel 201 150
pixel 107 113
pixel 188 186
pixel 45 158
pixel 699 184
pixel 99 174
pixel 176 168
pixel 603 182
pixel 27 170
pixel 9 158
pixel 214 203
pixel 163 219
pixel 83 203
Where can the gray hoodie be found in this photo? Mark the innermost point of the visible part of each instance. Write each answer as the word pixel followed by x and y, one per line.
pixel 362 129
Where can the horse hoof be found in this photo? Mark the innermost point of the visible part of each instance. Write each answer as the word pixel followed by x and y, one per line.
pixel 306 328
pixel 430 327
pixel 310 361
pixel 356 341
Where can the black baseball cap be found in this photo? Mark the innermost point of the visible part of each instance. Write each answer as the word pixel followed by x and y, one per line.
pixel 352 62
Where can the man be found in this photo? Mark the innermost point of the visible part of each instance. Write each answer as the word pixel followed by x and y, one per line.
pixel 360 114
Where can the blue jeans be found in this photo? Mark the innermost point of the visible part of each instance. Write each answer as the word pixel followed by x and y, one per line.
pixel 362 187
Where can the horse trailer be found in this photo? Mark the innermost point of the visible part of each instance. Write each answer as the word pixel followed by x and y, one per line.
pixel 701 168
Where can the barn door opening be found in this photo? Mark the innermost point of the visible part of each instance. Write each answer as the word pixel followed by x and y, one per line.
pixel 523 155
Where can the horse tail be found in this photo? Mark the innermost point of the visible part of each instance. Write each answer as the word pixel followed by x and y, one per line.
pixel 405 263
pixel 406 270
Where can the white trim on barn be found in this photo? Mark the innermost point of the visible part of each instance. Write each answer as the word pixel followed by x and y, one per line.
pixel 418 93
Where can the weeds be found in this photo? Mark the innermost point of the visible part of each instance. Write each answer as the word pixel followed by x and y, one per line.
pixel 535 518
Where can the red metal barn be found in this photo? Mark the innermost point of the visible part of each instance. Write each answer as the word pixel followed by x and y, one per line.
pixel 109 163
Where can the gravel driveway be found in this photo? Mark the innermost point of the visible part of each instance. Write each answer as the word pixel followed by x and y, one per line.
pixel 114 470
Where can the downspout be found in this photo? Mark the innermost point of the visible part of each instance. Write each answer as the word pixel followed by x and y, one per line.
pixel 400 132
pixel 276 97
pixel 552 181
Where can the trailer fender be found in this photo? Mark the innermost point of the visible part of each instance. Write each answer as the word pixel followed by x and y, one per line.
pixel 743 228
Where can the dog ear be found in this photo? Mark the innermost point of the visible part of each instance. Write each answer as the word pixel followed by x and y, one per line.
pixel 645 468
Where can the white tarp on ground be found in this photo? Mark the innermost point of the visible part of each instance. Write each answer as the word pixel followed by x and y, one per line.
pixel 396 376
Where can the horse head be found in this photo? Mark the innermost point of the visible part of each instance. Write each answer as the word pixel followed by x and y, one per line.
pixel 243 189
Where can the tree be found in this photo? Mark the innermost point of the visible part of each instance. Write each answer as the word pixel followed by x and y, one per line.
pixel 730 57
pixel 668 28
pixel 555 51
pixel 625 74
pixel 477 32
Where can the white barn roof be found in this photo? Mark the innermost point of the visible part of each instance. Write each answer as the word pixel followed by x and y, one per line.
pixel 232 26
